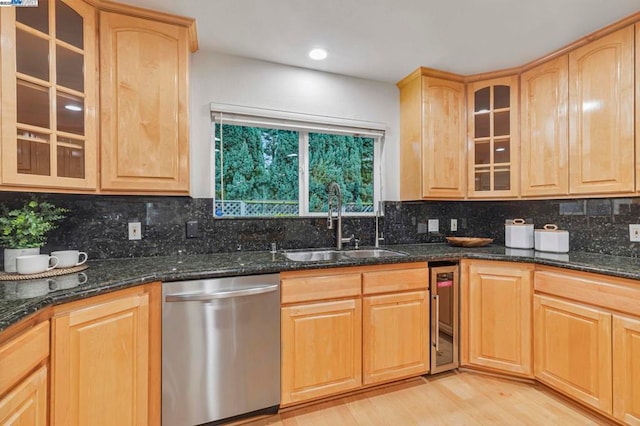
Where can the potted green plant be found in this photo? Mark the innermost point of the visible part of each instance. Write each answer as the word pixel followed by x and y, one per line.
pixel 23 231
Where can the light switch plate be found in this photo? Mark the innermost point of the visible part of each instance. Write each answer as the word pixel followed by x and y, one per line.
pixel 433 225
pixel 634 232
pixel 454 225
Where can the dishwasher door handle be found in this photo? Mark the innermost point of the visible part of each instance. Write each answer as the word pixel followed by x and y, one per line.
pixel 206 297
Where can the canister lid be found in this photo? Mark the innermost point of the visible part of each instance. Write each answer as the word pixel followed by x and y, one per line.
pixel 519 222
pixel 550 227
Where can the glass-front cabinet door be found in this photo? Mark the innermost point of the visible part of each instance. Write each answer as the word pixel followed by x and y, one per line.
pixel 493 133
pixel 49 132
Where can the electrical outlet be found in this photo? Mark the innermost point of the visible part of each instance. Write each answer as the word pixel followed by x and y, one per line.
pixel 634 232
pixel 454 225
pixel 192 229
pixel 135 231
pixel 434 225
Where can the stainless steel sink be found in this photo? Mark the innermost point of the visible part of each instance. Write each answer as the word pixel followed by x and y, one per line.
pixel 320 255
pixel 372 253
pixel 314 255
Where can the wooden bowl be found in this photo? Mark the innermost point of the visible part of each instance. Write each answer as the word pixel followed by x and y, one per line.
pixel 469 241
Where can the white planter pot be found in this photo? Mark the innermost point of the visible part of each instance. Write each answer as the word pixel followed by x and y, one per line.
pixel 11 254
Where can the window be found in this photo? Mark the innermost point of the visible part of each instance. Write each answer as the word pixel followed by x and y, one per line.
pixel 279 165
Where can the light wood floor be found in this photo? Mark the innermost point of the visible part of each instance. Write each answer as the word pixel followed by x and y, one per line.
pixel 448 399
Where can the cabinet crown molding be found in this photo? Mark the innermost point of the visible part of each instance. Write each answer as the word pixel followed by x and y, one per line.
pixel 624 22
pixel 125 9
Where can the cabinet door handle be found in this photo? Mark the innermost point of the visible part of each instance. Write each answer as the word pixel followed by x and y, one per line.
pixel 436 328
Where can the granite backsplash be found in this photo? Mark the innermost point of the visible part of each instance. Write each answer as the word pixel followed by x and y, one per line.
pixel 98 224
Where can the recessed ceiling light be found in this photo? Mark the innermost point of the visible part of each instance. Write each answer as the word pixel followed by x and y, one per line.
pixel 72 107
pixel 318 54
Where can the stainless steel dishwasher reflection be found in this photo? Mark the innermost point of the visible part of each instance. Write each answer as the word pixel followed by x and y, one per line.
pixel 220 348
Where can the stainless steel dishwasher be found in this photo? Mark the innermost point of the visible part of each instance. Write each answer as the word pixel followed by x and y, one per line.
pixel 220 349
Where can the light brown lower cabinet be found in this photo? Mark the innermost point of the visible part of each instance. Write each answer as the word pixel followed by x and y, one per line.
pixel 26 404
pixel 395 323
pixel 23 377
pixel 321 325
pixel 496 317
pixel 395 336
pixel 101 360
pixel 321 349
pixel 626 369
pixel 573 350
pixel 334 340
pixel 587 339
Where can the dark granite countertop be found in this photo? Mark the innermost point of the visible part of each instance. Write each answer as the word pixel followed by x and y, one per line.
pixel 18 299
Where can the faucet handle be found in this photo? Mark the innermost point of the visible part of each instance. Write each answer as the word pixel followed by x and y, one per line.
pixel 352 240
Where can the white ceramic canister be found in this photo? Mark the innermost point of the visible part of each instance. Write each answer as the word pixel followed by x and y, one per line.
pixel 518 234
pixel 551 239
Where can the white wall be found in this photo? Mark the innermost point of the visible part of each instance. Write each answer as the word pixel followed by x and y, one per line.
pixel 247 82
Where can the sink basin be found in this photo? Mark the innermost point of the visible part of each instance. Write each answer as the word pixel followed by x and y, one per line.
pixel 319 255
pixel 314 255
pixel 372 253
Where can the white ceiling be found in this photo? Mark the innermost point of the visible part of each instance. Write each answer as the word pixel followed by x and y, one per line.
pixel 387 39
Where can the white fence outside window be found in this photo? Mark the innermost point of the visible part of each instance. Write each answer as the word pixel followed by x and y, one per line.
pixel 239 208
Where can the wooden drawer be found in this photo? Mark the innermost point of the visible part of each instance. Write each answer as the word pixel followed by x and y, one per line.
pixel 395 280
pixel 617 294
pixel 22 354
pixel 319 287
pixel 26 404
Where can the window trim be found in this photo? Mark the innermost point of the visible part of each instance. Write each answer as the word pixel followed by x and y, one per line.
pixel 304 124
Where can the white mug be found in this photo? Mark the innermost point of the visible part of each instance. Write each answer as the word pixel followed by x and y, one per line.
pixel 35 263
pixel 69 258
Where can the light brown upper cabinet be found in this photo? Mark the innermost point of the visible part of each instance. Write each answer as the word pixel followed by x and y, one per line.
pixel 144 110
pixel 49 95
pixel 432 136
pixel 493 137
pixel 637 104
pixel 578 115
pixel 601 115
pixel 544 134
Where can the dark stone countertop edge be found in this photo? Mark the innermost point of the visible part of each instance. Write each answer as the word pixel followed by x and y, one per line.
pixel 106 276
